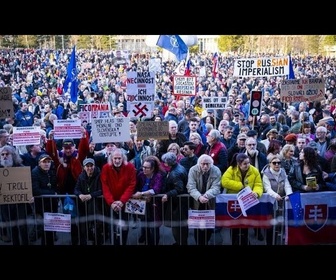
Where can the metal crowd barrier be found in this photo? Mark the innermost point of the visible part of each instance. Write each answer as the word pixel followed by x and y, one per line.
pixel 110 231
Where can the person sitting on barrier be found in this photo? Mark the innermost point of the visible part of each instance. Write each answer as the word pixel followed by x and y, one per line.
pixel 88 189
pixel 150 182
pixel 204 184
pixel 276 184
pixel 239 175
pixel 44 182
pixel 175 208
pixel 118 179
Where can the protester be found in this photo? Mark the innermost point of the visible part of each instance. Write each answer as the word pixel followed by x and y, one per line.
pixel 204 184
pixel 276 184
pixel 239 175
pixel 44 183
pixel 17 212
pixel 175 207
pixel 118 179
pixel 149 183
pixel 90 209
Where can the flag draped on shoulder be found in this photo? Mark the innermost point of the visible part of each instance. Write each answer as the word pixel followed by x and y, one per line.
pixel 71 79
pixel 291 75
pixel 173 44
pixel 215 65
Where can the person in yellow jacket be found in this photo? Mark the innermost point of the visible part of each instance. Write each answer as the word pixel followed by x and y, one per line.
pixel 239 175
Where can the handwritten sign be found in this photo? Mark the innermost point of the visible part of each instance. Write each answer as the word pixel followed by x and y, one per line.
pixel 184 85
pixel 6 103
pixel 15 185
pixel 110 130
pixel 152 129
pixel 301 90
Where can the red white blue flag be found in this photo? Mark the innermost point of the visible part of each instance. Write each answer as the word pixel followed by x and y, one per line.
pixel 316 225
pixel 229 214
pixel 187 71
pixel 215 65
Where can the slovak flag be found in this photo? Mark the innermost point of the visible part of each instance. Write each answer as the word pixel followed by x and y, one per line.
pixel 316 224
pixel 187 71
pixel 229 214
pixel 215 65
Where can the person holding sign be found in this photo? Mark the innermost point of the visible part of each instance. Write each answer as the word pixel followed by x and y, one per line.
pixel 239 175
pixel 204 184
pixel 150 182
pixel 68 163
pixel 17 212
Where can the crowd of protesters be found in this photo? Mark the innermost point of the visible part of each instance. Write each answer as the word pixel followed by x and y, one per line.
pixel 299 136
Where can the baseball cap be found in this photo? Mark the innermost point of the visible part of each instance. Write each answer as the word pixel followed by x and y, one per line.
pixel 210 111
pixel 330 123
pixel 251 133
pixel 88 160
pixel 242 136
pixel 43 157
pixel 312 144
pixel 68 142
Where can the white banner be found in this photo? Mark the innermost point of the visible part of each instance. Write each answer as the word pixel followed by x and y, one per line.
pixel 261 67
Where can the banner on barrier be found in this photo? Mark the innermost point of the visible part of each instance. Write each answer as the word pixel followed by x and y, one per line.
pixel 229 213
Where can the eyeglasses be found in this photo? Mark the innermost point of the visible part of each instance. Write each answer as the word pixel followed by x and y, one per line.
pixel 276 162
pixel 5 154
pixel 146 167
pixel 251 144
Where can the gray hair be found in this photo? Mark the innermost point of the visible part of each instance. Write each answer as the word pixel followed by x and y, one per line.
pixel 169 158
pixel 17 160
pixel 205 157
pixel 215 134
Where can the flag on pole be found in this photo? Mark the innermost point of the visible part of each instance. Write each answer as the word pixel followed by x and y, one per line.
pixel 173 44
pixel 187 71
pixel 71 79
pixel 291 75
pixel 215 65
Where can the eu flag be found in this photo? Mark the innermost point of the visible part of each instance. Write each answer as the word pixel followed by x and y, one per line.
pixel 173 44
pixel 291 75
pixel 295 200
pixel 72 77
